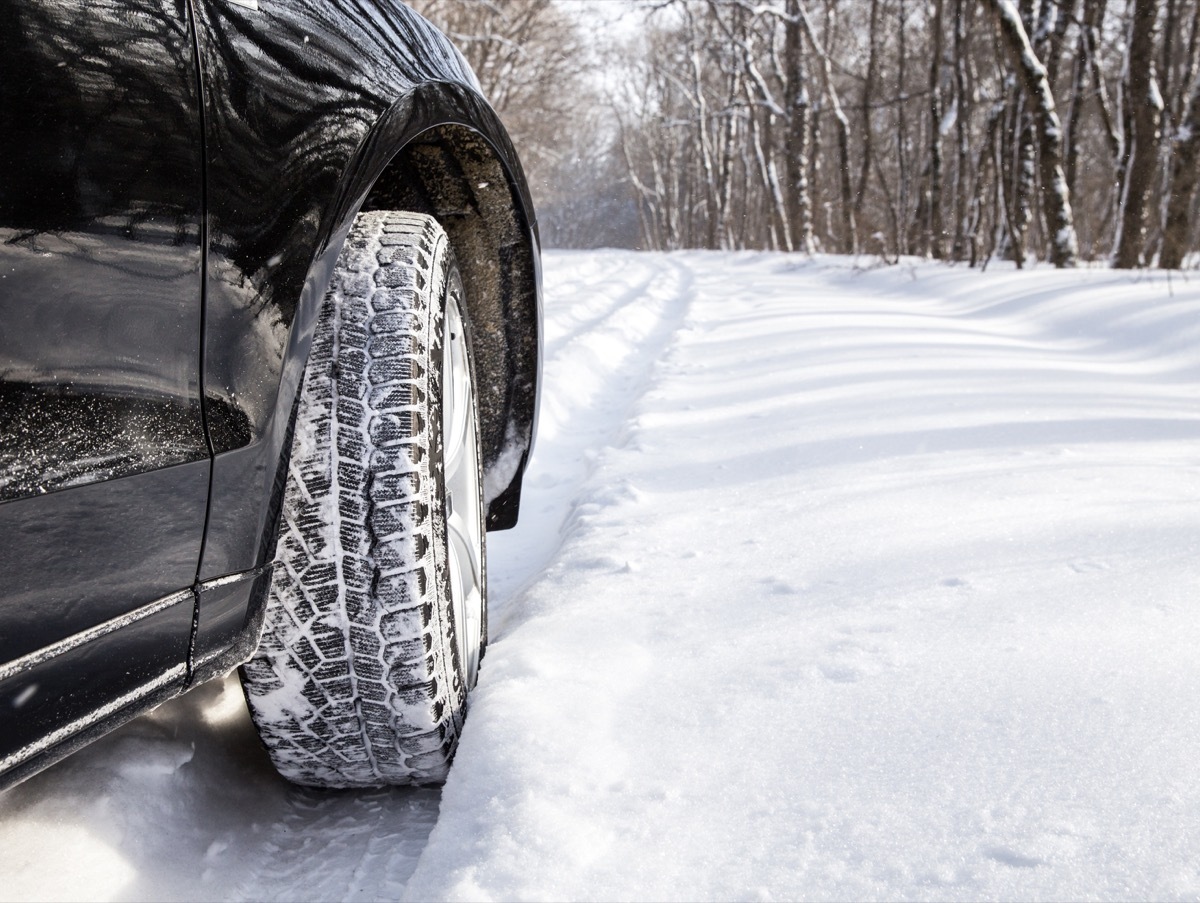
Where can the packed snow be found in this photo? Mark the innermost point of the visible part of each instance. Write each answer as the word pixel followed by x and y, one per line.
pixel 834 580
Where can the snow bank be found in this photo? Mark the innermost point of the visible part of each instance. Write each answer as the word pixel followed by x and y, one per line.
pixel 884 588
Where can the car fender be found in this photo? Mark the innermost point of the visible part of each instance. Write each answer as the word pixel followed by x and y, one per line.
pixel 283 187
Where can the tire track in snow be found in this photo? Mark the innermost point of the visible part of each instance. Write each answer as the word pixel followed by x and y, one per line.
pixel 335 846
pixel 182 803
pixel 602 302
pixel 607 327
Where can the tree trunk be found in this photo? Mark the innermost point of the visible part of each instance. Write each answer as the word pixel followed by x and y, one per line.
pixel 1170 23
pixel 868 97
pixel 797 104
pixel 935 237
pixel 1016 169
pixel 961 120
pixel 1189 66
pixel 709 188
pixel 976 208
pixel 815 187
pixel 1093 17
pixel 728 139
pixel 1146 104
pixel 1183 187
pixel 777 193
pixel 1024 155
pixel 777 218
pixel 849 242
pixel 1078 81
pixel 903 189
pixel 1056 201
pixel 1056 37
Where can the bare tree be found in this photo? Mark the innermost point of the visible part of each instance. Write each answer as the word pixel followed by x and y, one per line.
pixel 963 103
pixel 533 62
pixel 916 124
pixel 799 198
pixel 1056 199
pixel 1186 164
pixel 934 230
pixel 849 233
pixel 868 97
pixel 1145 108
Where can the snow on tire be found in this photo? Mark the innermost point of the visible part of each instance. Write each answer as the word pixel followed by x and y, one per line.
pixel 375 622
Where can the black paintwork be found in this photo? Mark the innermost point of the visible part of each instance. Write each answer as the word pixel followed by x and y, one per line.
pixel 178 178
pixel 307 106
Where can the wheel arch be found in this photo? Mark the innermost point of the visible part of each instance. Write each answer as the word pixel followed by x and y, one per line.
pixel 441 150
pixel 428 150
pixel 454 173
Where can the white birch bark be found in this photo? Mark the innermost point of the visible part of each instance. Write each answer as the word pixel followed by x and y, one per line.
pixel 1056 200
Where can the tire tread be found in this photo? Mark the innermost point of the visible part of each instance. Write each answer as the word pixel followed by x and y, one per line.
pixel 353 684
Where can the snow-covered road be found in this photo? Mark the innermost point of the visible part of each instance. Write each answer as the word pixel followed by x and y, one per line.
pixel 831 582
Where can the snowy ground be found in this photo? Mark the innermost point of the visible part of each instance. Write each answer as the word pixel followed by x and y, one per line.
pixel 832 582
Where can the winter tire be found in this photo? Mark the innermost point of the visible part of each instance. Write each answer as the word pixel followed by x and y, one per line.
pixel 376 618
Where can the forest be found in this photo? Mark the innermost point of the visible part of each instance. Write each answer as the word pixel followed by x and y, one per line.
pixel 1063 131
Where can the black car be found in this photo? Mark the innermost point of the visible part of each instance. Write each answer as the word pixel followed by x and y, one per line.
pixel 269 363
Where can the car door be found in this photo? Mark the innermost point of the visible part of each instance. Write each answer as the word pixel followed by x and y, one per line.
pixel 104 464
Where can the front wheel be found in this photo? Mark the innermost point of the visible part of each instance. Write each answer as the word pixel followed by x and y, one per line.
pixel 377 614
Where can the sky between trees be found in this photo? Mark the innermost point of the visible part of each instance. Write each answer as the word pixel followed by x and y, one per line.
pixel 965 130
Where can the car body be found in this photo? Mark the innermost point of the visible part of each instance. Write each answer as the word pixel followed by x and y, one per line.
pixel 178 178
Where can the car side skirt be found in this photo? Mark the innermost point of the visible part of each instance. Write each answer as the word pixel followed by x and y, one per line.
pixel 228 616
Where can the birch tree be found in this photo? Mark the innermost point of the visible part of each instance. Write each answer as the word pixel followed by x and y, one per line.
pixel 1031 74
pixel 928 126
pixel 799 199
pixel 849 232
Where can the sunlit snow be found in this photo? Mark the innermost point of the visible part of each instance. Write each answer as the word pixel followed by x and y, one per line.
pixel 833 581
